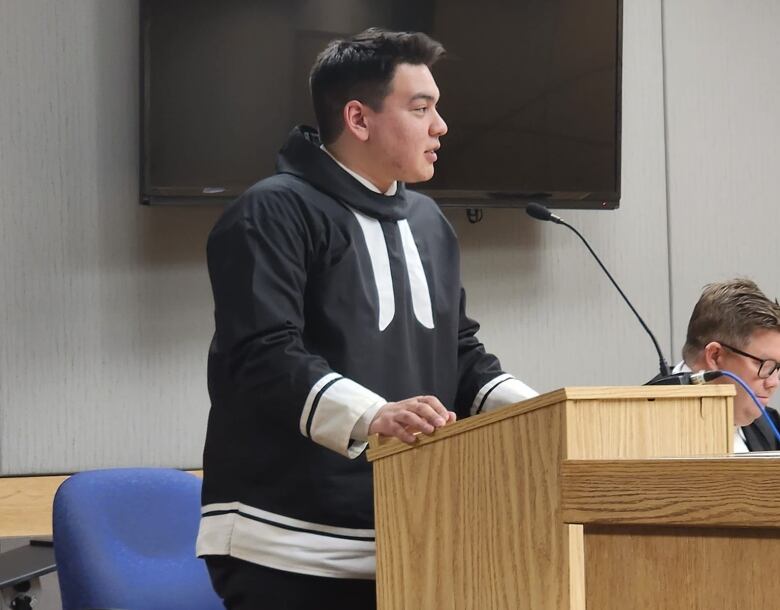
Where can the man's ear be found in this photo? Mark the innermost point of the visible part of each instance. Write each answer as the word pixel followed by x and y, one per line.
pixel 355 122
pixel 712 354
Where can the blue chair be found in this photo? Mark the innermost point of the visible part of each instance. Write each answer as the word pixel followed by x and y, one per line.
pixel 125 539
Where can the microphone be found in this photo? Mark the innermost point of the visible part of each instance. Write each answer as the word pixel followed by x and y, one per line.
pixel 704 376
pixel 540 212
pixel 699 378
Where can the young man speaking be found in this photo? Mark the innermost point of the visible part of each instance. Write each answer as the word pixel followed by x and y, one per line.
pixel 339 314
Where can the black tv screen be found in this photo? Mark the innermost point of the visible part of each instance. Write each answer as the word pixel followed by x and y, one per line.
pixel 530 91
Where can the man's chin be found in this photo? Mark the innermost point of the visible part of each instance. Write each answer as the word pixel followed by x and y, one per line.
pixel 421 177
pixel 749 415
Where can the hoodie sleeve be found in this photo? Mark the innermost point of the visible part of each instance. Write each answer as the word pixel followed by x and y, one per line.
pixel 259 257
pixel 482 385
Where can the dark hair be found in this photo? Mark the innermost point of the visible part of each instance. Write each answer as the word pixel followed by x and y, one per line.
pixel 362 68
pixel 731 312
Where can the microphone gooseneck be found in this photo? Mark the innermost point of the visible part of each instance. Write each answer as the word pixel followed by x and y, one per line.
pixel 540 212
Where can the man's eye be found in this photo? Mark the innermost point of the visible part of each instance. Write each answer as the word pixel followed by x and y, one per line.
pixel 421 110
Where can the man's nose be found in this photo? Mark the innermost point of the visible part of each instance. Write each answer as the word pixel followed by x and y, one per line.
pixel 439 127
pixel 773 380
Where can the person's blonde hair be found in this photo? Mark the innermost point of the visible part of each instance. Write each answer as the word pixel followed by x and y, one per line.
pixel 729 312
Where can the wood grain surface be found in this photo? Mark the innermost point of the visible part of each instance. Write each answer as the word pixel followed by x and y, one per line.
pixel 736 491
pixel 471 516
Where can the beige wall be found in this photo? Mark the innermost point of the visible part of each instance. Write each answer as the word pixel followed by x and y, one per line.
pixel 723 124
pixel 105 310
pixel 104 304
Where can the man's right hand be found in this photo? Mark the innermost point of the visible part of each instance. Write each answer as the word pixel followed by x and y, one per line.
pixel 417 414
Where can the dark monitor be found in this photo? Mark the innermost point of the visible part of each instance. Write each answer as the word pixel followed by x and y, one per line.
pixel 530 91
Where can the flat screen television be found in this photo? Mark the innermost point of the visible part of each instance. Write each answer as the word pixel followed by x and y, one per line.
pixel 530 91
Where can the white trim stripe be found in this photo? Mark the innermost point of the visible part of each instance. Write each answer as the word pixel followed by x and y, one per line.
pixel 380 264
pixel 360 431
pixel 288 521
pixel 339 408
pixel 485 389
pixel 316 388
pixel 421 296
pixel 280 548
pixel 506 391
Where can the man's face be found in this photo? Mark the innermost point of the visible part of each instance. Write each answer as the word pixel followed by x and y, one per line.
pixel 404 135
pixel 764 344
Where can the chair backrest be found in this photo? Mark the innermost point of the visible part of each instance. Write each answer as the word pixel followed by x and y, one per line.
pixel 125 538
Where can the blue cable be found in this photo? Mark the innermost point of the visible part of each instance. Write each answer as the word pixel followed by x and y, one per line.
pixel 745 387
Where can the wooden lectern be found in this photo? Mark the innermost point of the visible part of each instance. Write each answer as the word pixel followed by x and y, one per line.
pixel 470 517
pixel 678 534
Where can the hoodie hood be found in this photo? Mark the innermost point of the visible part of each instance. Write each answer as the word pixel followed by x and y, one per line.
pixel 302 156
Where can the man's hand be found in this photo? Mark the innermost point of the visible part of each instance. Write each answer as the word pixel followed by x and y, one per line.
pixel 417 414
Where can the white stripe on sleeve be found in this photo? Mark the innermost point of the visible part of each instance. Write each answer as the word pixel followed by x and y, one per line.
pixel 499 392
pixel 307 406
pixel 334 406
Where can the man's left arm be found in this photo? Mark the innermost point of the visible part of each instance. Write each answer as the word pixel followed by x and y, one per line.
pixel 482 385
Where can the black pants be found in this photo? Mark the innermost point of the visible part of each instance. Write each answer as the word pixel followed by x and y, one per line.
pixel 247 586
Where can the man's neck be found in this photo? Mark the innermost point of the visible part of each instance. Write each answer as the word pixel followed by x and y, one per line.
pixel 354 169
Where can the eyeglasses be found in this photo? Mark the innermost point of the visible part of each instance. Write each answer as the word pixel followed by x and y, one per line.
pixel 766 368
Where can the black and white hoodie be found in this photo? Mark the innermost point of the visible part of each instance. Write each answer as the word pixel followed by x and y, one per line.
pixel 330 300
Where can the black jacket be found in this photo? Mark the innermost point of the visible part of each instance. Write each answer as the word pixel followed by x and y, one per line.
pixel 759 435
pixel 329 300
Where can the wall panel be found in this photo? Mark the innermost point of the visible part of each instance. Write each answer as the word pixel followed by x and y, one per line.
pixel 724 128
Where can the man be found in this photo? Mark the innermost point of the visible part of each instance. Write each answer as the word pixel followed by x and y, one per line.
pixel 339 314
pixel 736 328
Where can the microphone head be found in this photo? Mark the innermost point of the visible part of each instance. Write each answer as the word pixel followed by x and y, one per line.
pixel 538 211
